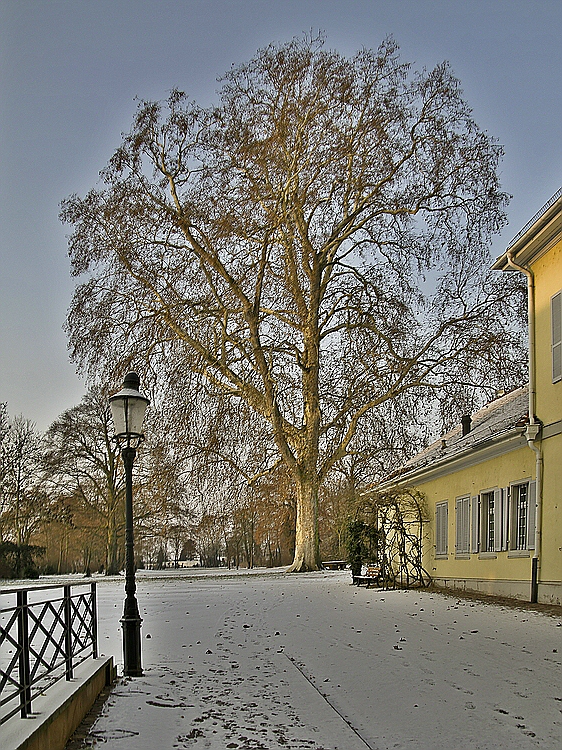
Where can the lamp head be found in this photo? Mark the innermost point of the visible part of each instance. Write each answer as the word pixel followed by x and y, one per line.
pixel 128 408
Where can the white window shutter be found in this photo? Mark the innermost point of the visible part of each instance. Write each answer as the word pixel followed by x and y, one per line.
pixel 458 525
pixel 466 516
pixel 556 325
pixel 466 525
pixel 462 542
pixel 444 528
pixel 475 524
pixel 531 514
pixel 513 495
pixel 498 527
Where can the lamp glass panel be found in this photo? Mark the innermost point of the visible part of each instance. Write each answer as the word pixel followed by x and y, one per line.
pixel 137 410
pixel 118 414
pixel 128 408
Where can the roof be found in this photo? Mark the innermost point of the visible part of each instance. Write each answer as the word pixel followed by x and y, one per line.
pixel 497 420
pixel 536 236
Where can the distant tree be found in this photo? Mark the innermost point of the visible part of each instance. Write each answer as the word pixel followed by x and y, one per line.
pixel 164 510
pixel 314 246
pixel 189 550
pixel 4 425
pixel 19 561
pixel 24 505
pixel 209 536
pixel 4 463
pixel 82 461
pixel 161 558
pixel 72 533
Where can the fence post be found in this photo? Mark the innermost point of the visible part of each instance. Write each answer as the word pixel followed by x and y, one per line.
pixel 68 631
pixel 94 605
pixel 23 640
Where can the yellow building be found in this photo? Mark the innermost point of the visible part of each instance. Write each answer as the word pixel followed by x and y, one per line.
pixel 494 484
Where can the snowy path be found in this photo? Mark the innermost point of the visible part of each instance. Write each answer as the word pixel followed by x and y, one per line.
pixel 309 662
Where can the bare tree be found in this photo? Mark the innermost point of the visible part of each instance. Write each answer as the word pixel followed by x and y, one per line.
pixel 312 246
pixel 4 464
pixel 164 511
pixel 24 505
pixel 82 461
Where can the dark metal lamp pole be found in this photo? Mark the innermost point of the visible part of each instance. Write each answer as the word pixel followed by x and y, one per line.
pixel 128 408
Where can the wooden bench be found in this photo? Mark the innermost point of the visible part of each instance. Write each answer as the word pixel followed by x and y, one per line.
pixel 371 577
pixel 334 564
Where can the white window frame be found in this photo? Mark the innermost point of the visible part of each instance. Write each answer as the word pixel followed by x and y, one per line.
pixel 442 528
pixel 556 334
pixel 462 525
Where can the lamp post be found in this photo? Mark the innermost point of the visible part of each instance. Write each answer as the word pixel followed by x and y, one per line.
pixel 128 408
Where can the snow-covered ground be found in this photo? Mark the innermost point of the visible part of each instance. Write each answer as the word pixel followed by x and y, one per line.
pixel 301 662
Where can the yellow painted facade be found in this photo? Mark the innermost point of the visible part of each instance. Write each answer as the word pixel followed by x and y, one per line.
pixel 505 572
pixel 495 514
pixel 547 270
pixel 546 265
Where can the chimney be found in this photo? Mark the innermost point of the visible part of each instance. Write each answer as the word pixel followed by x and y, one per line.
pixel 466 421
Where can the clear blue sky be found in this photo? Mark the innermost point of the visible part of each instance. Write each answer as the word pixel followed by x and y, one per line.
pixel 70 69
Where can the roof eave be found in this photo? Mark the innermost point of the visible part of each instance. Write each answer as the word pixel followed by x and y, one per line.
pixel 534 238
pixel 487 445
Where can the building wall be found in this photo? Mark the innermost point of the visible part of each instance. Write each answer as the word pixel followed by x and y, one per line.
pixel 504 573
pixel 548 282
pixel 550 573
pixel 508 572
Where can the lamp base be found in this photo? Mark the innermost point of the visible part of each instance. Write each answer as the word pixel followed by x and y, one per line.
pixel 131 646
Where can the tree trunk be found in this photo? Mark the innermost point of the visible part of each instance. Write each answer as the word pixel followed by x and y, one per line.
pixel 307 551
pixel 112 563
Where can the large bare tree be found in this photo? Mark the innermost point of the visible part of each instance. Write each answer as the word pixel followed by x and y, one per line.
pixel 312 246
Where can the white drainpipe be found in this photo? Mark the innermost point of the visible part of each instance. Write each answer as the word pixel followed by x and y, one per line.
pixel 534 426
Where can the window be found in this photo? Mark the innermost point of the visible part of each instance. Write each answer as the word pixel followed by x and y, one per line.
pixel 462 520
pixel 442 528
pixel 556 328
pixel 522 504
pixel 520 511
pixel 491 523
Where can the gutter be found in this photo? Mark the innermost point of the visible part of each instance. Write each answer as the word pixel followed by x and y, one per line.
pixel 532 432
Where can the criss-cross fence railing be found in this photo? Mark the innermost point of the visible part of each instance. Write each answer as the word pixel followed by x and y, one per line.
pixel 45 632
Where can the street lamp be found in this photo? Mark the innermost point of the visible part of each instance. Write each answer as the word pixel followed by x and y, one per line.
pixel 128 408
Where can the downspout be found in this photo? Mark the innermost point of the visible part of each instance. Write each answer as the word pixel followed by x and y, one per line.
pixel 533 428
